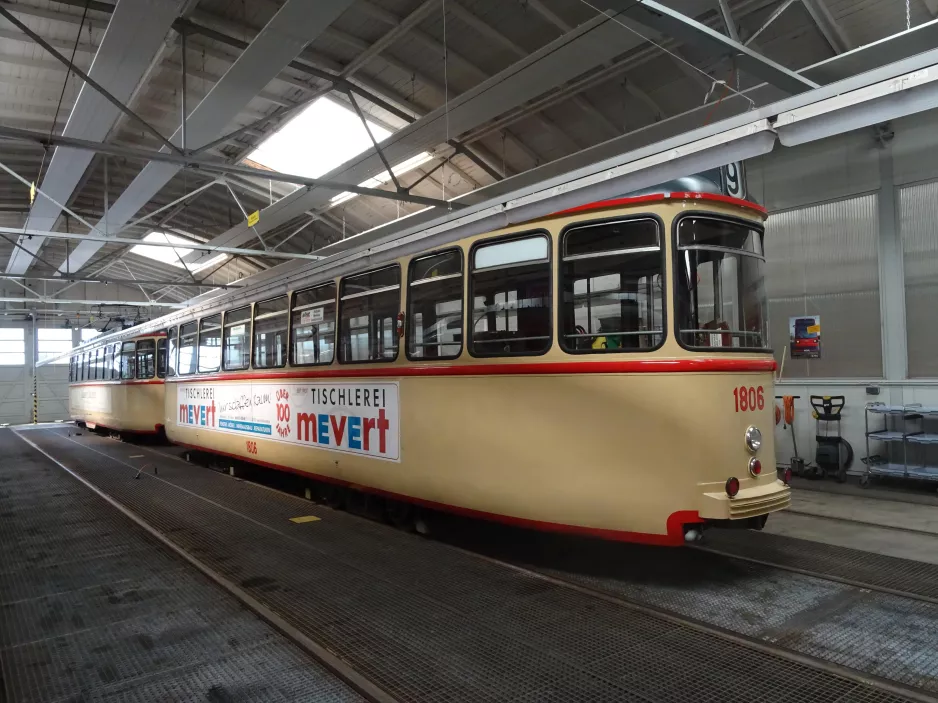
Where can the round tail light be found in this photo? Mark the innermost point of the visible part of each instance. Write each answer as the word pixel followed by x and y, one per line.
pixel 786 476
pixel 755 467
pixel 732 487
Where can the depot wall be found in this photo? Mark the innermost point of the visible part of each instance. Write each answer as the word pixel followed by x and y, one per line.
pixel 853 237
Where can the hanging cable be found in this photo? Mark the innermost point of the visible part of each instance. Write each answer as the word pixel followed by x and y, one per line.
pixel 676 57
pixel 908 16
pixel 68 74
pixel 445 95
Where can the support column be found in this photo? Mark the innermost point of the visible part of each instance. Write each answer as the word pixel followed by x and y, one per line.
pixel 891 277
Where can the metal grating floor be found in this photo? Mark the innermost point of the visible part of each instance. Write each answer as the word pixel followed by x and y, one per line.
pixel 91 608
pixel 427 622
pixel 877 570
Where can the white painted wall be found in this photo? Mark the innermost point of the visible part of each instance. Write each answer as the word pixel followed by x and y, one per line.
pixel 842 167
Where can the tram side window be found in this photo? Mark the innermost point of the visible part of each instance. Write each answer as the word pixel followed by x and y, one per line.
pixel 188 337
pixel 210 343
pixel 172 350
pixel 612 294
pixel 146 359
pixel 237 339
pixel 98 363
pixel 511 299
pixel 434 306
pixel 161 358
pixel 368 318
pixel 270 333
pixel 313 328
pixel 116 361
pixel 128 360
pixel 84 367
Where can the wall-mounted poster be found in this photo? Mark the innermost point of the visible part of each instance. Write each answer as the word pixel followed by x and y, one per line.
pixel 805 336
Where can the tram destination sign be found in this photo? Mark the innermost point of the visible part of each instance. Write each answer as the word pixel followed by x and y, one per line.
pixel 354 418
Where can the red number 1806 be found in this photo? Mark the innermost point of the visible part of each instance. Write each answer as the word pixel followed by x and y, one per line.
pixel 252 447
pixel 749 398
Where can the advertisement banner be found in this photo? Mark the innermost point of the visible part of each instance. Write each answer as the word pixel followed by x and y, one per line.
pixel 355 418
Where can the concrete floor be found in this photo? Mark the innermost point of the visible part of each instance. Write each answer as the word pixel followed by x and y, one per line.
pixel 893 527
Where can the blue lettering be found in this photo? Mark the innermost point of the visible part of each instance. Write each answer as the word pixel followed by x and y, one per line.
pixel 202 415
pixel 191 413
pixel 354 432
pixel 323 429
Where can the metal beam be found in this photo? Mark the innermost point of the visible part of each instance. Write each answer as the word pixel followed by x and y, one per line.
pixel 87 79
pixel 295 24
pixel 402 28
pixel 212 166
pixel 374 142
pixel 117 281
pixel 728 20
pixel 681 27
pixel 774 16
pixel 46 300
pixel 133 39
pixel 833 32
pixel 194 246
pixel 591 44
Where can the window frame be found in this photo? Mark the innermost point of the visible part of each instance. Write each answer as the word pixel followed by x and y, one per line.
pixel 286 312
pixel 195 352
pixel 665 279
pixel 84 366
pixel 172 350
pixel 291 355
pixel 137 374
pixel 224 347
pixel 198 345
pixel 462 303
pixel 676 262
pixel 339 307
pixel 470 292
pixel 133 357
pixel 161 368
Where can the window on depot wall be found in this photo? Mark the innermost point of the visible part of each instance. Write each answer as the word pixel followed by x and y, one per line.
pixel 511 299
pixel 12 346
pixel 53 342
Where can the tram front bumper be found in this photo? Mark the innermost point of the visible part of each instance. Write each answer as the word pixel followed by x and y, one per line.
pixel 751 501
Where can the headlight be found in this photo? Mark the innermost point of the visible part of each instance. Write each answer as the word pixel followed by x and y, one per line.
pixel 753 439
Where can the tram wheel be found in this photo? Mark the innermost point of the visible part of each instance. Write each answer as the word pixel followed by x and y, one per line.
pixel 331 495
pixel 399 514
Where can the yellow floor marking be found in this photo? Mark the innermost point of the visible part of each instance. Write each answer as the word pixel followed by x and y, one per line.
pixel 304 518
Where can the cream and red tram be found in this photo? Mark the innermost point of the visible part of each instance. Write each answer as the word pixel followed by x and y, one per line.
pixel 119 385
pixel 603 371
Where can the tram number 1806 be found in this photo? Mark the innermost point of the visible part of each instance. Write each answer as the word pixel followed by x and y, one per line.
pixel 749 398
pixel 251 447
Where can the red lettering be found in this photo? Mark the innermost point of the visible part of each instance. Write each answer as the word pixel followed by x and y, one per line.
pixel 211 413
pixel 305 421
pixel 183 413
pixel 369 423
pixel 383 426
pixel 338 431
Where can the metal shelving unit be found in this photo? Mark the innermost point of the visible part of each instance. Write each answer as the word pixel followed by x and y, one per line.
pixel 905 443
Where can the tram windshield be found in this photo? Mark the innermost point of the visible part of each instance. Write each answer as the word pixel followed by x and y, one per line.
pixel 720 284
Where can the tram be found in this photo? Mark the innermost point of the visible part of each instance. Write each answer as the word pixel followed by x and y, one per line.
pixel 119 386
pixel 602 371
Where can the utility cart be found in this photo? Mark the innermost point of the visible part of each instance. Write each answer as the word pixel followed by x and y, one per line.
pixel 907 437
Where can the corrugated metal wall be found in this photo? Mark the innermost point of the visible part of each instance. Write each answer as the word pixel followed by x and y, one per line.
pixel 822 260
pixel 918 226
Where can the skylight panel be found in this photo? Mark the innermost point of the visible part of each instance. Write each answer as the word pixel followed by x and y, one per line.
pixel 323 136
pixel 172 255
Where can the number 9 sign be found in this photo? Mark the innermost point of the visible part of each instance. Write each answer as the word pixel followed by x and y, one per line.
pixel 733 180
